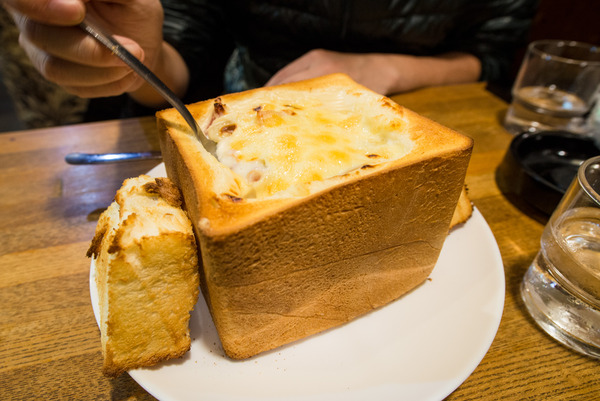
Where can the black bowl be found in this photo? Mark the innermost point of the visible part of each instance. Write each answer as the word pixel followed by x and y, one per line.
pixel 538 167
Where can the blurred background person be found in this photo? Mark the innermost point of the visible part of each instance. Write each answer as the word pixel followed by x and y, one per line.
pixel 202 49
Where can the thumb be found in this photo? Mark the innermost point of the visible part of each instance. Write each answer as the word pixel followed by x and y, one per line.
pixel 132 47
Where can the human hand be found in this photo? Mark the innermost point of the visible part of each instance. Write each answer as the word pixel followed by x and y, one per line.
pixel 371 70
pixel 384 73
pixel 67 56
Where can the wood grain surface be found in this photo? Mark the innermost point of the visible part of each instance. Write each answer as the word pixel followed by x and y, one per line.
pixel 49 341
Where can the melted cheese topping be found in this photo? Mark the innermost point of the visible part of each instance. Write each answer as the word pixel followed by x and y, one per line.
pixel 282 142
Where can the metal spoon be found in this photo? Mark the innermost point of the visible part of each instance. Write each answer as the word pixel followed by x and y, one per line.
pixel 136 65
pixel 104 158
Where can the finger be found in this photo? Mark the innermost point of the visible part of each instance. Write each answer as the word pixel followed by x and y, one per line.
pixel 299 76
pixel 308 61
pixel 292 68
pixel 56 12
pixel 74 45
pixel 128 83
pixel 65 72
pixel 283 75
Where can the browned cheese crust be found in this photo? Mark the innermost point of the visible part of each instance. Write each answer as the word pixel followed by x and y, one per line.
pixel 280 269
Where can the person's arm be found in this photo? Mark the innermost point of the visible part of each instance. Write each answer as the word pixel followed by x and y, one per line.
pixel 384 73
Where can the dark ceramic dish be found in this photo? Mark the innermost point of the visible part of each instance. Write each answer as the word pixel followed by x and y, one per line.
pixel 538 167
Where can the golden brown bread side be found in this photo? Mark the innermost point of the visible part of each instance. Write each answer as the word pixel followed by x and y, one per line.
pixel 278 269
pixel 146 275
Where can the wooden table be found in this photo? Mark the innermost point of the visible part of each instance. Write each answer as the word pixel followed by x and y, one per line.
pixel 49 341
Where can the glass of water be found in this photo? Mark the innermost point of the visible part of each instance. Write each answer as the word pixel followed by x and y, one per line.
pixel 555 87
pixel 561 288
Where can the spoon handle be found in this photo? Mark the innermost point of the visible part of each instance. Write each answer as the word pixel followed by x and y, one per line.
pixel 104 158
pixel 118 50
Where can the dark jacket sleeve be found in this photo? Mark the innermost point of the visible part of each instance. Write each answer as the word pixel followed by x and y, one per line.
pixel 198 30
pixel 493 31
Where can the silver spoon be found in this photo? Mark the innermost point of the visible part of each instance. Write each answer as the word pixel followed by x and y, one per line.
pixel 104 158
pixel 136 65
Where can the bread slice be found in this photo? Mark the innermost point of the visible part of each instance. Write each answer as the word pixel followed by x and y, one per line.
pixel 464 209
pixel 288 252
pixel 146 275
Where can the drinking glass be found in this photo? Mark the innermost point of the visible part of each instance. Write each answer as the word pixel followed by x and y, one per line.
pixel 555 87
pixel 561 288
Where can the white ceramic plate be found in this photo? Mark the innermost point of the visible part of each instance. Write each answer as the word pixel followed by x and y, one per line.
pixel 420 347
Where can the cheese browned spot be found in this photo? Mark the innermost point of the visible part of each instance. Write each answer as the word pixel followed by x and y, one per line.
pixel 228 129
pixel 217 110
pixel 219 107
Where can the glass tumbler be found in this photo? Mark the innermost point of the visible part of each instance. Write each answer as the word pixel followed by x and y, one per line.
pixel 561 288
pixel 555 88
